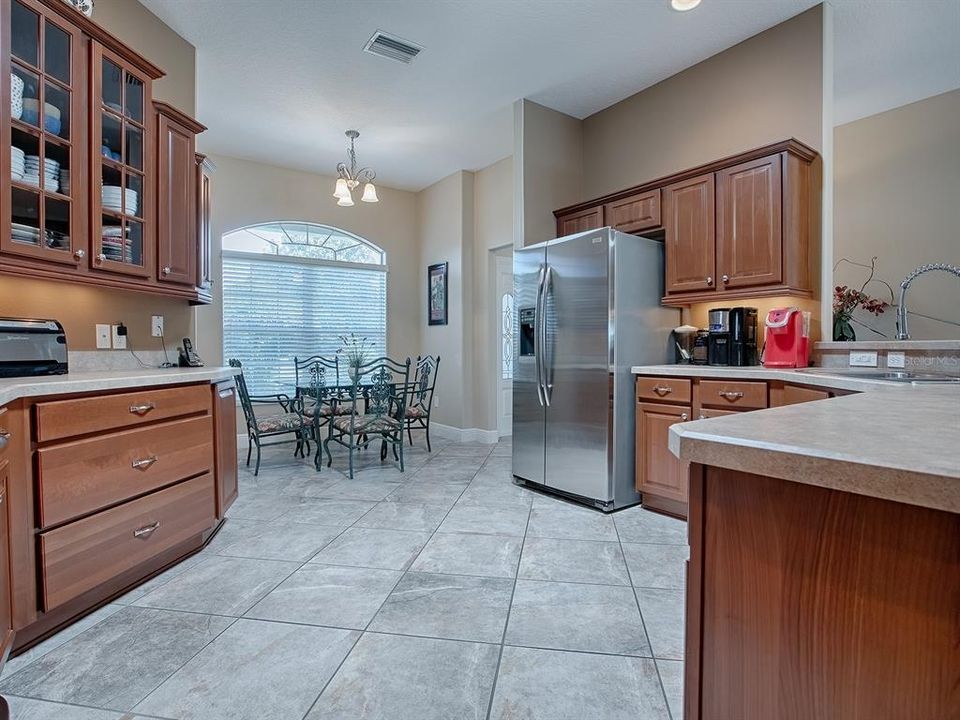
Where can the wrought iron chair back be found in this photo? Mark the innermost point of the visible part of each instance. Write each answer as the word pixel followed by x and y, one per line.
pixel 421 397
pixel 245 402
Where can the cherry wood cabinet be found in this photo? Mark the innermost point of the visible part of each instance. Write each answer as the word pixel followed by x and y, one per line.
pixel 634 213
pixel 225 437
pixel 789 394
pixel 204 178
pixel 582 221
pixel 6 606
pixel 690 257
pixel 661 476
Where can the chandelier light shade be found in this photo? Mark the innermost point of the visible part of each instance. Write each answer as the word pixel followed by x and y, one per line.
pixel 349 178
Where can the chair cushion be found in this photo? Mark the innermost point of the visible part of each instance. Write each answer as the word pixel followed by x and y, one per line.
pixel 283 421
pixel 416 412
pixel 325 410
pixel 367 423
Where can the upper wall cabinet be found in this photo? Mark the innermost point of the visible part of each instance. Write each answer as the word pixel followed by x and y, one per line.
pixel 578 222
pixel 80 185
pixel 735 228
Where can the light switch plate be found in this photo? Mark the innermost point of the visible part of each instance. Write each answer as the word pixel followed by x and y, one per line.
pixel 863 358
pixel 103 337
pixel 896 360
pixel 156 326
pixel 119 341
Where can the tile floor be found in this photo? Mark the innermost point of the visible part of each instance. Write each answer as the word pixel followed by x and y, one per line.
pixel 444 592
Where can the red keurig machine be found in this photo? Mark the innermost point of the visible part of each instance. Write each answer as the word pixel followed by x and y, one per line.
pixel 787 338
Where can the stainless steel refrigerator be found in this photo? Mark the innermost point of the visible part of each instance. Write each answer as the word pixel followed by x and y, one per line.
pixel 588 308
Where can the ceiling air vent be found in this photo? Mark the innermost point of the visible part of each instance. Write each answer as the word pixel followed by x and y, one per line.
pixel 392 47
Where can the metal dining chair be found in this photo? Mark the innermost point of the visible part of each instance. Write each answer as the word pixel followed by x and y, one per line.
pixel 421 396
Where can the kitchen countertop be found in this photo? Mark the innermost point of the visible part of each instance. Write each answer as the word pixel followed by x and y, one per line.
pixel 893 441
pixel 77 382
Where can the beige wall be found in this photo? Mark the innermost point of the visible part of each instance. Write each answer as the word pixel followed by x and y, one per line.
pixel 78 307
pixel 245 193
pixel 897 197
pixel 765 89
pixel 548 170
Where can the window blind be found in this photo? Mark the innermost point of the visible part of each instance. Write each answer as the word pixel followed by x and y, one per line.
pixel 275 310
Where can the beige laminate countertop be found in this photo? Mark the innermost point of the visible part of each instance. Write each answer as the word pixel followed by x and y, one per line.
pixel 893 441
pixel 77 382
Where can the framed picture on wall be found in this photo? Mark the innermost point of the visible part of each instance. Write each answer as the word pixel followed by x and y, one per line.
pixel 437 294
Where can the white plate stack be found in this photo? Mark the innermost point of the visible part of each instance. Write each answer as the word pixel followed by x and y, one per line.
pixel 26 234
pixel 51 173
pixel 115 245
pixel 17 166
pixel 110 196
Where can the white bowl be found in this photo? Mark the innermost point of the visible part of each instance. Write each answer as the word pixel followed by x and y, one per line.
pixel 48 109
pixel 16 96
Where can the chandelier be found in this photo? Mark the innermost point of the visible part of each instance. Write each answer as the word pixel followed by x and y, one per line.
pixel 350 178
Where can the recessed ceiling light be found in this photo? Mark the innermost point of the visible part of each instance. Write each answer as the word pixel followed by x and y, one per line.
pixel 684 5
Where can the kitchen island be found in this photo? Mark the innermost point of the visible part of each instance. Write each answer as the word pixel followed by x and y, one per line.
pixel 108 478
pixel 823 578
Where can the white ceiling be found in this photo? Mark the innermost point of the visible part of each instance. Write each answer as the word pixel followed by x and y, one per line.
pixel 280 80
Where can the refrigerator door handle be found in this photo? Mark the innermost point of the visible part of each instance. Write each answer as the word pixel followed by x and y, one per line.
pixel 537 346
pixel 547 366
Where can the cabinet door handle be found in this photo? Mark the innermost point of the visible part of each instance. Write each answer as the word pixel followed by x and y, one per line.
pixel 166 270
pixel 80 254
pixel 683 416
pixel 146 530
pixel 101 257
pixel 730 394
pixel 144 463
pixel 702 417
pixel 662 390
pixel 709 280
pixel 725 279
pixel 142 409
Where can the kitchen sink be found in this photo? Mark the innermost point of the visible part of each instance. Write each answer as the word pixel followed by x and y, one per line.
pixel 903 376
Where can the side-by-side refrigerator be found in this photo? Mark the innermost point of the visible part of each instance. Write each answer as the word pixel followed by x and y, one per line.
pixel 588 309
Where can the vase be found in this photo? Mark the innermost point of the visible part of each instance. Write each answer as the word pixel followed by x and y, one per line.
pixel 352 373
pixel 842 329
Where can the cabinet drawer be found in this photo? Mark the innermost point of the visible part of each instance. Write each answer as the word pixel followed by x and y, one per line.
pixel 634 213
pixel 665 389
pixel 59 419
pixel 733 394
pixel 78 477
pixel 706 413
pixel 79 556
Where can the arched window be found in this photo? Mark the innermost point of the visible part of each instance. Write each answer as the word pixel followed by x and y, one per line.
pixel 291 289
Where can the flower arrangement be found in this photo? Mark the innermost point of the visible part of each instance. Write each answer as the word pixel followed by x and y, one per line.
pixel 356 350
pixel 847 300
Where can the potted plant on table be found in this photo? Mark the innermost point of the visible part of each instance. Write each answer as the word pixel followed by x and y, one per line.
pixel 356 349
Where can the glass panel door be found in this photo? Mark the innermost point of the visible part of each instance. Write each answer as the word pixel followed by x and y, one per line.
pixel 42 209
pixel 120 157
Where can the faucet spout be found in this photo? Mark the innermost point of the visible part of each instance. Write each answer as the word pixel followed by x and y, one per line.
pixel 903 333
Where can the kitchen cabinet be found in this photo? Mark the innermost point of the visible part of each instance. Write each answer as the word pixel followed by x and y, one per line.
pixel 661 476
pixel 581 221
pixel 689 246
pixel 225 437
pixel 177 240
pixel 634 213
pixel 204 168
pixel 789 394
pixel 7 445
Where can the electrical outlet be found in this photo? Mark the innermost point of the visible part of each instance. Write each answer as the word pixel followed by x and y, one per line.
pixel 103 337
pixel 119 341
pixel 436 401
pixel 156 326
pixel 896 360
pixel 863 358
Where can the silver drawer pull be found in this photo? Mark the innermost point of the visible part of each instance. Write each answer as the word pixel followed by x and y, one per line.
pixel 662 389
pixel 144 463
pixel 146 530
pixel 730 394
pixel 142 409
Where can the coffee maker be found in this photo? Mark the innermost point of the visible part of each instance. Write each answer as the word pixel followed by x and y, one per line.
pixel 743 336
pixel 718 343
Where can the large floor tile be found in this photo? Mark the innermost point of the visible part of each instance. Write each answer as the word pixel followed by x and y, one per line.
pixel 498 493
pixel 428 493
pixel 637 525
pixel 663 614
pixel 359 488
pixel 166 576
pixel 457 607
pixel 466 554
pixel 555 685
pixel 573 561
pixel 456 473
pixel 282 540
pixel 262 505
pixel 29 709
pixel 671 675
pixel 391 677
pixel 404 516
pixel 486 520
pixel 657 566
pixel 566 521
pixel 233 530
pixel 255 670
pixel 219 585
pixel 344 597
pixel 118 661
pixel 575 616
pixel 329 511
pixel 373 548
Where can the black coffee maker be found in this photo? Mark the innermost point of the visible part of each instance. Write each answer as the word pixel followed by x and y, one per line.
pixel 743 336
pixel 718 342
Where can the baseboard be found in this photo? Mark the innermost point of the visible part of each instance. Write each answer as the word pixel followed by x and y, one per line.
pixel 488 437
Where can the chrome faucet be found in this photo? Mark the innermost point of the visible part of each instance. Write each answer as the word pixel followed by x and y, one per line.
pixel 902 332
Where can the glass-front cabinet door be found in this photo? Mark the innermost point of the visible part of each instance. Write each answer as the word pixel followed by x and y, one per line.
pixel 121 160
pixel 43 211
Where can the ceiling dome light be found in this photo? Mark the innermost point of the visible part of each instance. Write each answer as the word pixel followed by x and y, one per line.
pixel 350 178
pixel 369 193
pixel 684 5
